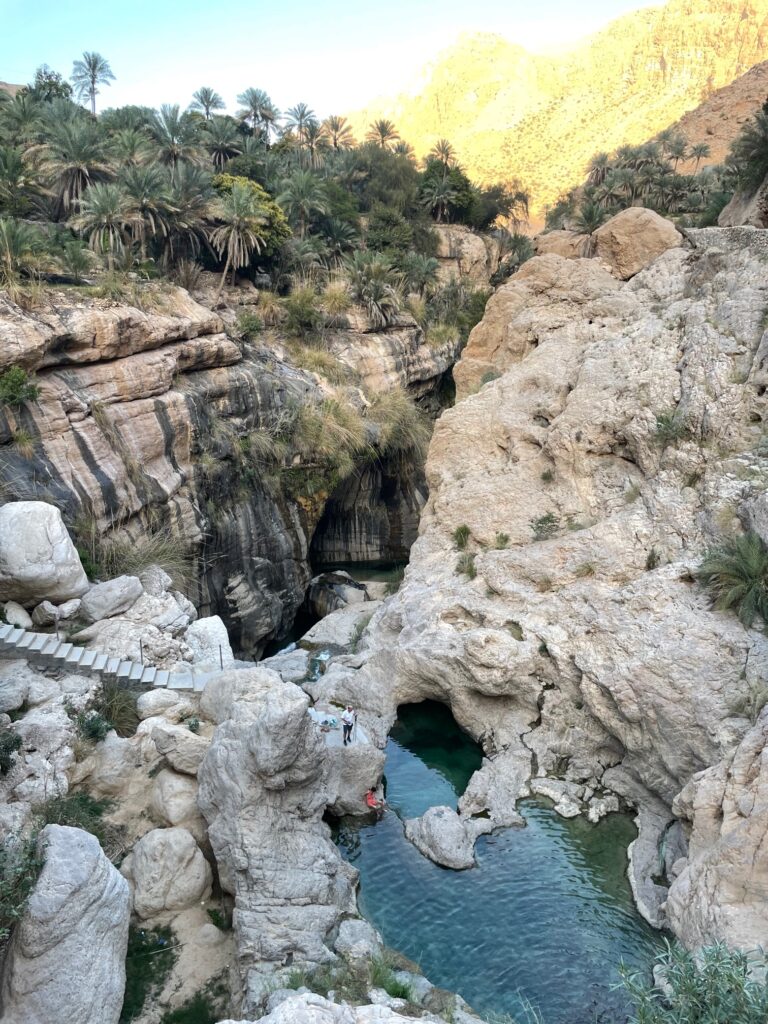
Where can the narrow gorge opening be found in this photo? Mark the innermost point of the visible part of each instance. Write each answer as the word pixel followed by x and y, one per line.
pixel 545 917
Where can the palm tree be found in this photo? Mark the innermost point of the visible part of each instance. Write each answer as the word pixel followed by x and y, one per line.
pixel 443 152
pixel 191 197
pixel 419 272
pixel 698 152
pixel 93 70
pixel 338 131
pixel 207 100
pixel 316 142
pixel 598 169
pixel 177 137
pixel 21 118
pixel 296 120
pixel 21 246
pixel 222 140
pixel 237 235
pixel 437 194
pixel 74 158
pixel 19 183
pixel 589 217
pixel 105 213
pixel 340 237
pixel 383 133
pixel 375 285
pixel 736 575
pixel 130 147
pixel 302 196
pixel 147 193
pixel 677 149
pixel 259 110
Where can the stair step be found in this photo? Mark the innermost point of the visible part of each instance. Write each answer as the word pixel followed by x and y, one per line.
pixel 5 629
pixel 26 642
pixel 124 669
pixel 49 649
pixel 62 652
pixel 136 673
pixel 100 662
pixel 113 664
pixel 12 638
pixel 162 677
pixel 41 639
pixel 75 656
pixel 88 659
pixel 148 675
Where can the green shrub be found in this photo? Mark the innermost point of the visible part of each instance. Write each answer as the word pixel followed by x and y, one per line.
pixel 205 1007
pixel 502 540
pixel 149 960
pixel 466 565
pixel 752 702
pixel 669 428
pixel 653 560
pixel 193 724
pixel 223 921
pixel 382 976
pixel 304 317
pixel 10 743
pixel 78 810
pixel 548 476
pixel 717 985
pixel 17 388
pixel 460 537
pixel 20 865
pixel 403 427
pixel 584 570
pixel 545 526
pixel 92 726
pixel 116 707
pixel 736 576
pixel 248 325
pixel 119 557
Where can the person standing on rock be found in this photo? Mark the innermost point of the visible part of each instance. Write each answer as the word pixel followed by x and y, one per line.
pixel 348 719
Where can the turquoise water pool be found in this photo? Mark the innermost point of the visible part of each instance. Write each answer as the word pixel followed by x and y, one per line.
pixel 546 916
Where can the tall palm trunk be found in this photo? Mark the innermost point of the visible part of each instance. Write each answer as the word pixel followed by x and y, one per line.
pixel 224 275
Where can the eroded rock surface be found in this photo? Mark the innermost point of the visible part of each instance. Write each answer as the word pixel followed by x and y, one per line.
pixel 67 955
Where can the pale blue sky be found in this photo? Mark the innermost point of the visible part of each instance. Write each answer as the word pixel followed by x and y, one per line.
pixel 333 54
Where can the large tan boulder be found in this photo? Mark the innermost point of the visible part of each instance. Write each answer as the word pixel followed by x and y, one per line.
pixel 569 244
pixel 168 872
pixel 38 560
pixel 633 239
pixel 465 254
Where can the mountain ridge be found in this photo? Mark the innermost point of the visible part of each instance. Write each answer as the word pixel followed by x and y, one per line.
pixel 539 118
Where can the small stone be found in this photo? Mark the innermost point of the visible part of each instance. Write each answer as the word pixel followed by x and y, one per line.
pixel 16 616
pixel 357 940
pixel 106 600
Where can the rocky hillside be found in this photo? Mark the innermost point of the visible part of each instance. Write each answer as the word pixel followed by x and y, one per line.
pixel 512 114
pixel 614 411
pixel 152 423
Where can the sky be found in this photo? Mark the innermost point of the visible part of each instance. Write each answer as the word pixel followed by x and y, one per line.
pixel 332 54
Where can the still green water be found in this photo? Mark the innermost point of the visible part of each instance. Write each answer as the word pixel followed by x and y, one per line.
pixel 546 916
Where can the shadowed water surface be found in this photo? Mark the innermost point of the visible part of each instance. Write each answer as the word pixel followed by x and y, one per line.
pixel 547 914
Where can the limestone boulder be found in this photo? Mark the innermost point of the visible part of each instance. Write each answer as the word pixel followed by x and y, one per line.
pixel 182 748
pixel 48 614
pixel 633 239
pixel 342 628
pixel 569 244
pixel 308 1008
pixel 66 959
pixel 45 757
pixel 38 560
pixel 209 642
pixel 466 255
pixel 16 677
pixel 166 703
pixel 442 835
pixel 358 940
pixel 17 616
pixel 174 801
pixel 104 600
pixel 168 872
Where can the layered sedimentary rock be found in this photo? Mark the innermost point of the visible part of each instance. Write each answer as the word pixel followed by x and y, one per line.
pixel 608 433
pixel 142 430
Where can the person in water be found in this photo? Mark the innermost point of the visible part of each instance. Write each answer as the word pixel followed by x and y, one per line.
pixel 374 804
pixel 348 719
